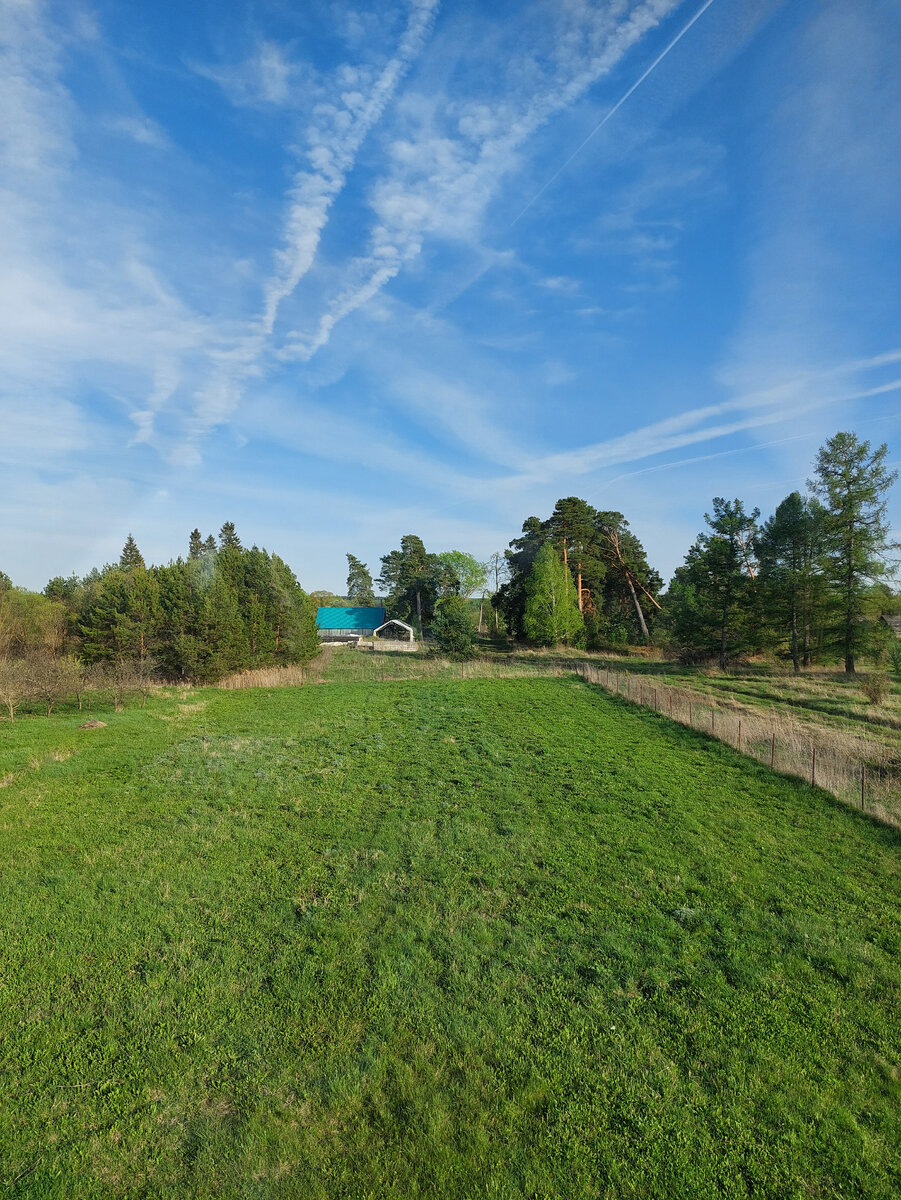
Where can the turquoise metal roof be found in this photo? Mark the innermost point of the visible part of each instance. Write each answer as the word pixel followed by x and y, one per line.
pixel 350 618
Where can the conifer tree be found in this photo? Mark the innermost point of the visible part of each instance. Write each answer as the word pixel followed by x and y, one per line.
pixel 195 545
pixel 359 583
pixel 711 599
pixel 209 546
pixel 852 481
pixel 228 537
pixel 131 558
pixel 789 548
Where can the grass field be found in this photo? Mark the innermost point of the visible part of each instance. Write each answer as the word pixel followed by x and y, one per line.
pixel 444 938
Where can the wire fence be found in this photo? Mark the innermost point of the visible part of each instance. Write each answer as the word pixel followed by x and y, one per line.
pixel 854 768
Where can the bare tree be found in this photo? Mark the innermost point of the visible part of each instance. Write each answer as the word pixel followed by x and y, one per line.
pixel 51 679
pixel 14 684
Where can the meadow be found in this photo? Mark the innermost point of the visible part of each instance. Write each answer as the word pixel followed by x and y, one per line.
pixel 441 936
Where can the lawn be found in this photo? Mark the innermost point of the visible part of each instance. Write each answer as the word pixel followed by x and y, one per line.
pixel 443 938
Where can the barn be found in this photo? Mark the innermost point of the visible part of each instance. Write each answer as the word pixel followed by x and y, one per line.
pixel 348 624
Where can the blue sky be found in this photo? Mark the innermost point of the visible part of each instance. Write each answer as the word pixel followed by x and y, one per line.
pixel 339 272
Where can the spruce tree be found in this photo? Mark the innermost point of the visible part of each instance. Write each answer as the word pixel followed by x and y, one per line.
pixel 789 548
pixel 712 600
pixel 852 481
pixel 195 544
pixel 131 558
pixel 209 546
pixel 228 537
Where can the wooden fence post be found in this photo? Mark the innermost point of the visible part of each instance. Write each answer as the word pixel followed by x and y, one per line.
pixel 655 699
pixel 739 735
pixel 863 784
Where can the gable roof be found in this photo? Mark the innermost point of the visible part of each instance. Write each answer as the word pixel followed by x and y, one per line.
pixel 894 623
pixel 349 618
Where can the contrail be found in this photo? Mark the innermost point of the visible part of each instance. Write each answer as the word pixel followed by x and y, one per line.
pixel 622 100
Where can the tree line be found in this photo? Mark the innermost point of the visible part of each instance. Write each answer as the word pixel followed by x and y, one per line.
pixel 806 585
pixel 220 609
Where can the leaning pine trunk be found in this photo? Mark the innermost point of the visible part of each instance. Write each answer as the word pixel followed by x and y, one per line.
pixel 641 620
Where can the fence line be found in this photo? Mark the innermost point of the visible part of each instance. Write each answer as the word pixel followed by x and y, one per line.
pixel 855 769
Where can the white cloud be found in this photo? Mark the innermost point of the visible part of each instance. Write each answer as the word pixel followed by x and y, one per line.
pixel 142 130
pixel 449 167
pixel 333 140
pixel 562 284
pixel 267 77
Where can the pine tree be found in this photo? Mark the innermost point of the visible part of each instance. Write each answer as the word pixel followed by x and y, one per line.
pixel 852 481
pixel 413 578
pixel 209 546
pixel 131 558
pixel 630 584
pixel 359 583
pixel 195 544
pixel 225 638
pixel 572 529
pixel 551 614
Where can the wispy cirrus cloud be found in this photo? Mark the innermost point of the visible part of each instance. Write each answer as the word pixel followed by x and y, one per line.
pixel 788 398
pixel 333 140
pixel 449 166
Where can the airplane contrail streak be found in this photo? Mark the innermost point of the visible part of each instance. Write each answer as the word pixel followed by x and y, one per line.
pixel 622 100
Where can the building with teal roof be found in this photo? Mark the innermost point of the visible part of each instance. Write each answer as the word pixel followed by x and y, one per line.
pixel 347 624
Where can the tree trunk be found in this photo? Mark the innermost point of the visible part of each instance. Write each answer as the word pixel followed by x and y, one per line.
pixel 794 641
pixel 419 612
pixel 640 614
pixel 579 587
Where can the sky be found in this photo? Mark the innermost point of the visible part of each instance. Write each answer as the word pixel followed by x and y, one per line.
pixel 341 271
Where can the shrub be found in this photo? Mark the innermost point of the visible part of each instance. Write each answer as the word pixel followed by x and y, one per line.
pixel 51 678
pixel 876 687
pixel 452 627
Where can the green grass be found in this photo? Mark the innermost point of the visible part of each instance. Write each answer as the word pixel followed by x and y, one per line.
pixel 500 938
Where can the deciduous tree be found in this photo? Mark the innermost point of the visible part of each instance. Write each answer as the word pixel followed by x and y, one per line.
pixel 552 615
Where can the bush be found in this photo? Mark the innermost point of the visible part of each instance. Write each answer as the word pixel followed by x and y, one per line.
pixel 51 678
pixel 452 627
pixel 876 687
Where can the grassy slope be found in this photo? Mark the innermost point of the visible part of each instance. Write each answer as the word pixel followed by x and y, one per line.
pixel 482 938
